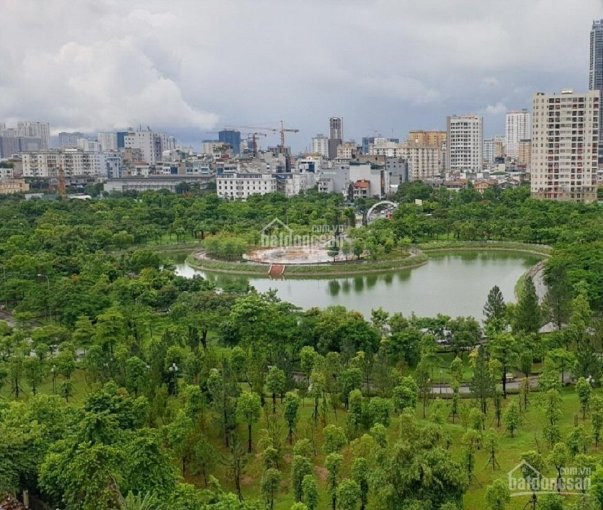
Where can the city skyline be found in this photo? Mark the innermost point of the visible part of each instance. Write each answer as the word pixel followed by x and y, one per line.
pixel 123 66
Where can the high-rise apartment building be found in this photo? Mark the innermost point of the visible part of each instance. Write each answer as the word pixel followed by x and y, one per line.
pixel 595 75
pixel 69 140
pixel 564 148
pixel 335 135
pixel 34 129
pixel 517 127
pixel 524 157
pixel 151 144
pixel 428 138
pixel 232 138
pixel 464 143
pixel 107 140
pixel 320 145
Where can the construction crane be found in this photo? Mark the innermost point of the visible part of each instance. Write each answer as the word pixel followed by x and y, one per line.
pixel 254 140
pixel 282 130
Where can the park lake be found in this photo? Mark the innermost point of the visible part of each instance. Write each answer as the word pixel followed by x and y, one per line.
pixel 454 284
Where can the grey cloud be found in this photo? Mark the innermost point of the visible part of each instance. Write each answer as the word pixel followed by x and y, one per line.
pixel 192 66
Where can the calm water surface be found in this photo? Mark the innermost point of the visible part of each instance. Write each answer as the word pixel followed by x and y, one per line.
pixel 452 284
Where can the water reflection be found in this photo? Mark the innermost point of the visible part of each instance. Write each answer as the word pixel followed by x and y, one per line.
pixel 454 284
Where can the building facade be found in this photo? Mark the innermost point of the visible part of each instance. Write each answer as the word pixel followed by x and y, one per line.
pixel 320 145
pixel 335 135
pixel 564 148
pixel 424 161
pixel 34 129
pixel 107 141
pixel 595 75
pixel 240 186
pixel 232 138
pixel 427 138
pixel 464 143
pixel 517 127
pixel 74 162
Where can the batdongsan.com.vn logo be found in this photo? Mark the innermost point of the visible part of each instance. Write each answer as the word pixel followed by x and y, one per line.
pixel 525 480
pixel 278 234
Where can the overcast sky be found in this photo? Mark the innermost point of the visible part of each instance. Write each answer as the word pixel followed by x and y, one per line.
pixel 191 67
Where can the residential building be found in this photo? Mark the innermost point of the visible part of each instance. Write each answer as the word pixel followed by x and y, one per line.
pixel 107 141
pixel 34 129
pixel 88 145
pixel 424 161
pixel 595 75
pixel 347 150
pixel 385 147
pixel 335 179
pixel 464 143
pixel 150 143
pixel 564 149
pixel 121 139
pixel 517 127
pixel 320 145
pixel 427 138
pixel 335 135
pixel 74 162
pixel 69 140
pixel 232 138
pixel 292 184
pixel 375 175
pixel 241 185
pixel 10 186
pixel 164 182
pixel 524 157
pixel 367 141
pixel 10 144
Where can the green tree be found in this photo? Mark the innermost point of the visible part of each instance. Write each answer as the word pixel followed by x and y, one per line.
pixel 333 465
pixel 310 492
pixel 498 495
pixel 334 439
pixel 482 384
pixel 248 411
pixel 495 308
pixel 348 495
pixel 290 411
pixel 512 418
pixel 300 467
pixel 361 475
pixel 596 417
pixel 405 394
pixel 558 458
pixel 584 391
pixel 527 316
pixel 270 483
pixel 504 348
pixel 275 384
pixel 552 414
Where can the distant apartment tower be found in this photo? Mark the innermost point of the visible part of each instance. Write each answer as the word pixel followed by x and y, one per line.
pixel 69 140
pixel 464 143
pixel 367 141
pixel 430 138
pixel 564 149
pixel 107 140
pixel 232 138
pixel 517 127
pixel 524 157
pixel 151 144
pixel 335 135
pixel 34 129
pixel 320 145
pixel 595 75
